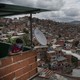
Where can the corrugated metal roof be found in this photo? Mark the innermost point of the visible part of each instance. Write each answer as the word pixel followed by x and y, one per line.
pixel 9 9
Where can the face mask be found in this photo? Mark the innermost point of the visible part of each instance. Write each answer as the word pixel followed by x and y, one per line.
pixel 19 45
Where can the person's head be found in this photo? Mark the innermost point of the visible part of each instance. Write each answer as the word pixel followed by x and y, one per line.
pixel 19 42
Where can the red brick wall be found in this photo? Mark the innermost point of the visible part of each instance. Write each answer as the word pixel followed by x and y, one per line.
pixel 18 67
pixel 68 58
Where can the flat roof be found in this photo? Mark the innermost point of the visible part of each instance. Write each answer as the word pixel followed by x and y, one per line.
pixel 10 9
pixel 69 52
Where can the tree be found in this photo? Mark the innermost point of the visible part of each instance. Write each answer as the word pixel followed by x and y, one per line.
pixel 26 39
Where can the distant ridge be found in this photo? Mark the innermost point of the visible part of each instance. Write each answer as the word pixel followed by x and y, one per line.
pixel 75 22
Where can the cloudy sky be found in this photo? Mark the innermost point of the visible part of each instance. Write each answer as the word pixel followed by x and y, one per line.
pixel 63 10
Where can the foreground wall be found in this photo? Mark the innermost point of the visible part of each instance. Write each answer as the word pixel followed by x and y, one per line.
pixel 19 67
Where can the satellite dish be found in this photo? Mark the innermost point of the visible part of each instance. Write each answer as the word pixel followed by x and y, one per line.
pixel 40 37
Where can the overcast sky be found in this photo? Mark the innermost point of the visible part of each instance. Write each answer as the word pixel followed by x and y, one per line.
pixel 63 10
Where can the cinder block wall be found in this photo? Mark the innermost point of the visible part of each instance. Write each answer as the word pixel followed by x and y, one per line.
pixel 18 67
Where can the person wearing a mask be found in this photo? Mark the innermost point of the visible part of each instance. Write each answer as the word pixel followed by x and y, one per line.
pixel 17 47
